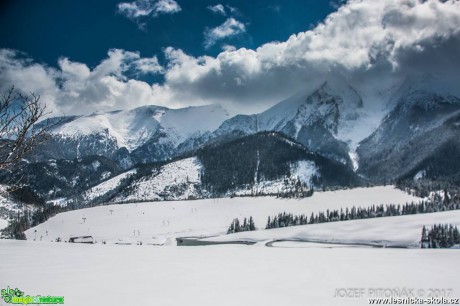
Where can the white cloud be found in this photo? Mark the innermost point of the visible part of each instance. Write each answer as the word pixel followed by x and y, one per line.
pixel 217 9
pixel 74 88
pixel 139 9
pixel 135 9
pixel 228 47
pixel 27 76
pixel 106 86
pixel 148 65
pixel 368 43
pixel 166 7
pixel 231 27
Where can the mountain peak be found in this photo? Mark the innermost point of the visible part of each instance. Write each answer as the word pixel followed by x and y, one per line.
pixel 134 127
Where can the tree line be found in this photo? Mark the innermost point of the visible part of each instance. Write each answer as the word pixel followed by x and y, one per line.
pixel 437 204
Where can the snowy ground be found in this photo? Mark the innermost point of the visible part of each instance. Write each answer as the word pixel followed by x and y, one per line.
pixel 288 273
pixel 161 222
pixel 402 231
pixel 220 275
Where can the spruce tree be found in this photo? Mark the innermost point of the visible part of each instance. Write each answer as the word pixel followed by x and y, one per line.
pixel 252 226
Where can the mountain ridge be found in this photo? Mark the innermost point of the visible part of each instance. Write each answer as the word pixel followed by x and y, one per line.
pixel 333 121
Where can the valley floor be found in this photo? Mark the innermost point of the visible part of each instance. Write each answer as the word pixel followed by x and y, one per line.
pixel 162 222
pixel 280 269
pixel 398 231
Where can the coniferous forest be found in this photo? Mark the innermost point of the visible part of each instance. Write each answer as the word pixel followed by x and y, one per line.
pixel 437 204
pixel 440 236
pixel 264 156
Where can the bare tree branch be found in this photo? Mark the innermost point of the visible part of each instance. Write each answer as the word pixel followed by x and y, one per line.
pixel 19 134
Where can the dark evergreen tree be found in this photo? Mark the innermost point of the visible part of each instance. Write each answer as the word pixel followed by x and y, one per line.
pixel 236 227
pixel 440 236
pixel 252 226
pixel 425 242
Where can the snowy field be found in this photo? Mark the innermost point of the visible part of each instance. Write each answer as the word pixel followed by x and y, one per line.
pixel 219 275
pixel 162 222
pixel 400 231
pixel 267 273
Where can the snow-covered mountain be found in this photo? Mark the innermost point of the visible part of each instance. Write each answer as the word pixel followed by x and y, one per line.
pixel 420 127
pixel 330 120
pixel 411 127
pixel 266 163
pixel 143 134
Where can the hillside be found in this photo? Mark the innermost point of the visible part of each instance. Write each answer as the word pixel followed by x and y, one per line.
pixel 208 217
pixel 261 164
pixel 269 156
pixel 62 178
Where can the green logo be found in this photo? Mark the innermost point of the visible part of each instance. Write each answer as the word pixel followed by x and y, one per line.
pixel 16 296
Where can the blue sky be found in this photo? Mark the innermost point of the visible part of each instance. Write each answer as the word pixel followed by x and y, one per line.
pixel 83 31
pixel 84 56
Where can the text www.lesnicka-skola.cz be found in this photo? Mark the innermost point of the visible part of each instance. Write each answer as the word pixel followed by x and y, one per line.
pixel 414 301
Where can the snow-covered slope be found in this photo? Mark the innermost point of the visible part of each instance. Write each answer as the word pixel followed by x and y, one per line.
pixel 174 181
pixel 133 128
pixel 184 123
pixel 10 208
pixel 420 127
pixel 404 231
pixel 180 180
pixel 208 217
pixel 334 105
pixel 300 272
pixel 266 163
pixel 107 186
pixel 337 121
pixel 331 120
pixel 301 171
pixel 141 135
